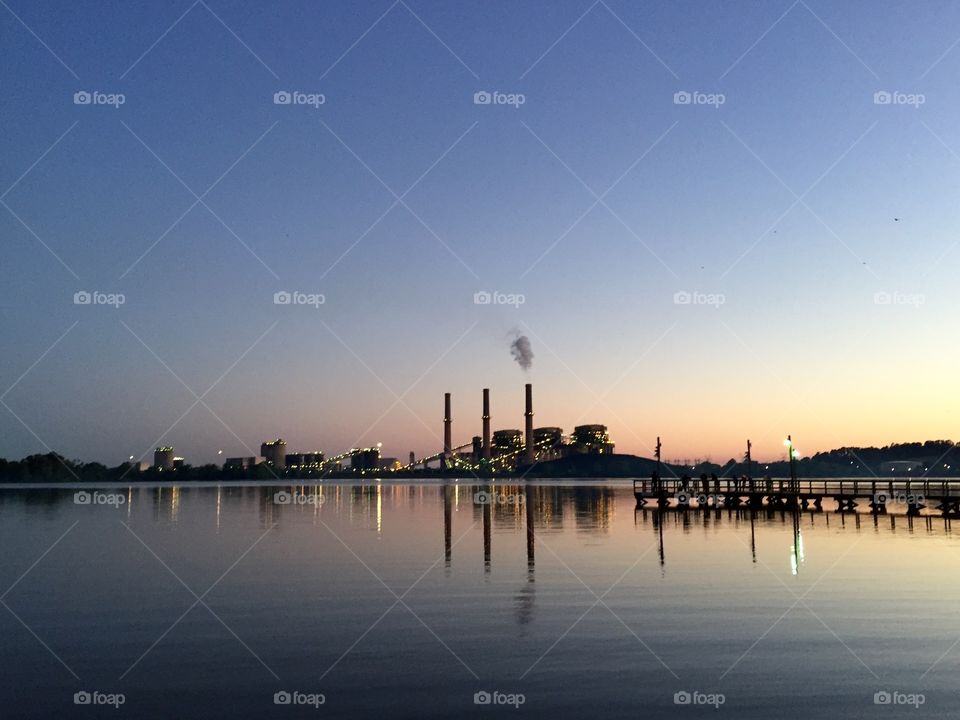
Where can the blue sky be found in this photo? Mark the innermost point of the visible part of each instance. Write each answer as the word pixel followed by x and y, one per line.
pixel 835 322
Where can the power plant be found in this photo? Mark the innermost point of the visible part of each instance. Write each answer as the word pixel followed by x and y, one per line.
pixel 509 449
pixel 506 450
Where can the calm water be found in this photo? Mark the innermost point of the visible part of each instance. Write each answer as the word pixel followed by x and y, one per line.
pixel 407 600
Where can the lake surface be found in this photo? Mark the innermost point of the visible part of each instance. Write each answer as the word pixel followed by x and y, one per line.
pixel 423 600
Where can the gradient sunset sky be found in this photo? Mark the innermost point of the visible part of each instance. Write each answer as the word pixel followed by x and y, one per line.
pixel 812 226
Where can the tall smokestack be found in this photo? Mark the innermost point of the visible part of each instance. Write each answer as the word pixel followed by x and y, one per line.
pixel 485 448
pixel 447 422
pixel 528 425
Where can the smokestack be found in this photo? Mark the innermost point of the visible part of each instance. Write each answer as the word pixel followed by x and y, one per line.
pixel 528 425
pixel 447 433
pixel 447 421
pixel 485 448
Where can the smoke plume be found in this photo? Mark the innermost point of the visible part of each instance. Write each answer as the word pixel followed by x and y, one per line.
pixel 521 352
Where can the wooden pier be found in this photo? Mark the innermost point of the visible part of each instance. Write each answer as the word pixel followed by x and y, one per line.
pixel 848 494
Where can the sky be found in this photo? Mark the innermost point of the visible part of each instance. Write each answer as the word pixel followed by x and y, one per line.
pixel 704 217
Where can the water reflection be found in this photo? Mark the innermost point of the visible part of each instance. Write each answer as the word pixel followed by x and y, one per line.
pixel 589 510
pixel 495 508
pixel 515 565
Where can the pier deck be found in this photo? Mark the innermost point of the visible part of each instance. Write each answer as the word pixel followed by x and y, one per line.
pixel 916 494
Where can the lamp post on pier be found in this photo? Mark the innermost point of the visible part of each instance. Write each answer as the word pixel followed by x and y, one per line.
pixel 793 454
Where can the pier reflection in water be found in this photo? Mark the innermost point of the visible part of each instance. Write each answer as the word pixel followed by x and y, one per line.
pixel 423 594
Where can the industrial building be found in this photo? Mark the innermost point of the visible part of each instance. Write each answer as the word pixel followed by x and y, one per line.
pixel 242 463
pixel 163 458
pixel 549 442
pixel 275 452
pixel 507 441
pixel 304 461
pixel 590 440
pixel 364 459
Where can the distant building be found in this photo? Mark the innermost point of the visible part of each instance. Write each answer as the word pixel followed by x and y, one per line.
pixel 365 459
pixel 389 463
pixel 892 467
pixel 275 452
pixel 139 467
pixel 507 441
pixel 178 462
pixel 242 463
pixel 590 440
pixel 548 442
pixel 163 458
pixel 304 461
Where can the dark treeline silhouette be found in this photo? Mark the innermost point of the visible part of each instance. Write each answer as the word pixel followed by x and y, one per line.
pixel 52 467
pixel 933 458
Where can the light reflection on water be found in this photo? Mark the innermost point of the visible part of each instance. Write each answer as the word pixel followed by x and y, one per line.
pixel 407 599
